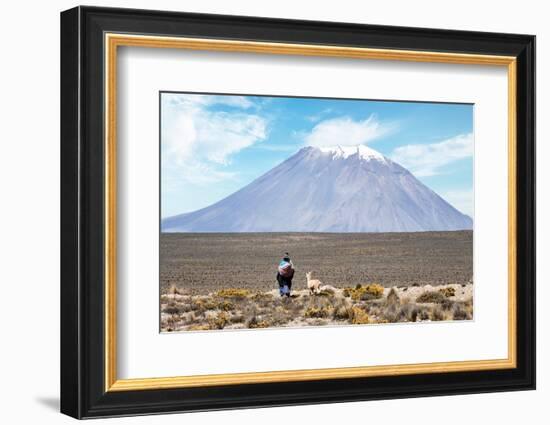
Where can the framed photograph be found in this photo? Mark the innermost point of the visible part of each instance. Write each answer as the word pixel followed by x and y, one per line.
pixel 261 212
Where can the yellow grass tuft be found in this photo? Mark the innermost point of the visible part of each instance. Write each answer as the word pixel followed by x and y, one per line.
pixel 226 305
pixel 359 316
pixel 254 323
pixel 448 291
pixel 219 321
pixel 233 293
pixel 375 289
pixel 367 292
pixel 205 304
pixel 317 312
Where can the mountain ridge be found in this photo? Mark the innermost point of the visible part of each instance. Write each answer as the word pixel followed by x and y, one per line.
pixel 336 189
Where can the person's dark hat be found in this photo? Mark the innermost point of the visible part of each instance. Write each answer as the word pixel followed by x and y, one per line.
pixel 286 257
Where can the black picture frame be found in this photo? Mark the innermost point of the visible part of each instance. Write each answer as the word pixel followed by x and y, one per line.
pixel 83 392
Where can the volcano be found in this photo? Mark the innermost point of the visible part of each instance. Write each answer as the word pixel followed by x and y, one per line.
pixel 338 189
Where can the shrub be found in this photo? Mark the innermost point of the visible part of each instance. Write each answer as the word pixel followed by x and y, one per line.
pixel 260 296
pixel 365 293
pixel 254 323
pixel 203 304
pixel 449 291
pixel 341 312
pixel 390 315
pixel 435 297
pixel 172 309
pixel 437 314
pixel 280 317
pixel 392 298
pixel 317 312
pixel 359 316
pixel 397 313
pixel 419 313
pixel 424 314
pixel 414 315
pixel 405 312
pixel 194 304
pixel 219 321
pixel 374 309
pixel 233 293
pixel 185 308
pixel 226 306
pixel 365 296
pixel 172 321
pixel 447 304
pixel 375 289
pixel 165 298
pixel 188 318
pixel 460 313
pixel 469 307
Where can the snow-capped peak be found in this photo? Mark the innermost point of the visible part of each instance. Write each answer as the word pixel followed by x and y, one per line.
pixel 363 151
pixel 312 191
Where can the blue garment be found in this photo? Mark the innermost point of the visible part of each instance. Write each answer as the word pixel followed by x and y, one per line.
pixel 285 273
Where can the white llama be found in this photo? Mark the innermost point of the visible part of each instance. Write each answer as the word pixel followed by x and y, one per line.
pixel 313 285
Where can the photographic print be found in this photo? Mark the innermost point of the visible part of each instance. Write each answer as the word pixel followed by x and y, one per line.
pixel 296 211
pixel 273 181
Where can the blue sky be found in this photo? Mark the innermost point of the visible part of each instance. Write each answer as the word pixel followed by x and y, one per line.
pixel 213 145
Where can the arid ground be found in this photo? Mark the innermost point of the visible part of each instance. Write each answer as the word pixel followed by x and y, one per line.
pixel 227 281
pixel 205 263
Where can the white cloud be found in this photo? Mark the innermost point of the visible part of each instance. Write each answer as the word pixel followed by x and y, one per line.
pixel 344 131
pixel 462 200
pixel 429 159
pixel 197 140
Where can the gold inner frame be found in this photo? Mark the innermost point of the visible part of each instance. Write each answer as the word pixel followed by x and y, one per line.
pixel 113 41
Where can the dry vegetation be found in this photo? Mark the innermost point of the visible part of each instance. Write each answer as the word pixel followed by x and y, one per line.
pixel 227 281
pixel 240 308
